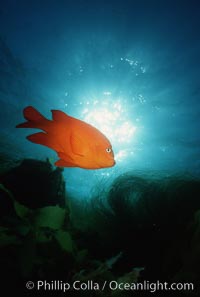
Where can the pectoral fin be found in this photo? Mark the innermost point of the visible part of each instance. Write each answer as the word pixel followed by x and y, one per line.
pixel 77 144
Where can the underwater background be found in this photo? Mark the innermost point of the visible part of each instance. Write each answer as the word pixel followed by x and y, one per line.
pixel 131 69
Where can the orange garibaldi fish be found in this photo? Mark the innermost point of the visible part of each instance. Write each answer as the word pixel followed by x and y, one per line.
pixel 76 143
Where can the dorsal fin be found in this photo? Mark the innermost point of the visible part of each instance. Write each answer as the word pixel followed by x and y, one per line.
pixel 59 116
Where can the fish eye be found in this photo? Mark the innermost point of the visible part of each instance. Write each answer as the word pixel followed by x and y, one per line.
pixel 108 150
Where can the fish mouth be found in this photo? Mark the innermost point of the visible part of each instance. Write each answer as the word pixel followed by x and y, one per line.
pixel 112 163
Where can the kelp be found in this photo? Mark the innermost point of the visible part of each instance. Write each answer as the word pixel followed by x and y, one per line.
pixel 41 241
pixel 149 220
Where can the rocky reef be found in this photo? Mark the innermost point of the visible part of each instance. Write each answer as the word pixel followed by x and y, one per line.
pixel 140 230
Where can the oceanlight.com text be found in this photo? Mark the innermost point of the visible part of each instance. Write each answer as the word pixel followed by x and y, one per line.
pixel 90 285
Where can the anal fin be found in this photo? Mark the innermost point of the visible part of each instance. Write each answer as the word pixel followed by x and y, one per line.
pixel 63 163
pixel 65 157
pixel 65 160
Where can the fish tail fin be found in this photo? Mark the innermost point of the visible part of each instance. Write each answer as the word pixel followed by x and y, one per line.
pixel 34 119
pixel 44 139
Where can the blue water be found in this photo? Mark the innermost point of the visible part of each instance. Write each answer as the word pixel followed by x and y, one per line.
pixel 132 69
